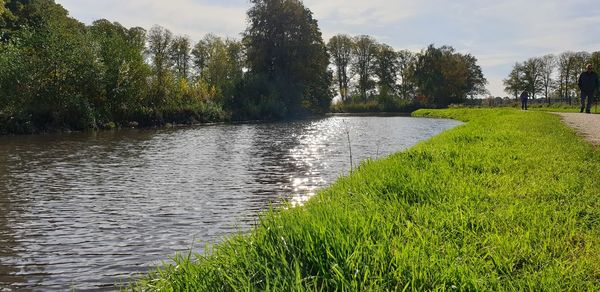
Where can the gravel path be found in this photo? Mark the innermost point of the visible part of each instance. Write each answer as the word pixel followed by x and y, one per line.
pixel 587 125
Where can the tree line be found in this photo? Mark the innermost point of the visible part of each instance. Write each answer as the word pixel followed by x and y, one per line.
pixel 58 73
pixel 550 76
pixel 367 70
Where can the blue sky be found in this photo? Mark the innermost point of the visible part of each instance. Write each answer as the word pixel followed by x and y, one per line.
pixel 498 33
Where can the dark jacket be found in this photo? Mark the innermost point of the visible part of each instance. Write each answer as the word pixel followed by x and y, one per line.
pixel 588 81
pixel 524 95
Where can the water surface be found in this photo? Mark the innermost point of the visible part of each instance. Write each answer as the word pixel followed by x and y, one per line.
pixel 91 210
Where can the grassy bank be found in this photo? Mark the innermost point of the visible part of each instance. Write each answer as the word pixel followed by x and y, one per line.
pixel 507 201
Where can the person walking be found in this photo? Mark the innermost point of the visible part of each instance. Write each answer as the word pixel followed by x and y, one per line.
pixel 524 99
pixel 588 84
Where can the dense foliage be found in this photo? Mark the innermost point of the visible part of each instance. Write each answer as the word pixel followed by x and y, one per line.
pixel 287 59
pixel 473 209
pixel 57 73
pixel 372 74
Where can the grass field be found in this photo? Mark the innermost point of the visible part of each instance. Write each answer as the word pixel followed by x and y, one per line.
pixel 508 201
pixel 559 107
pixel 565 108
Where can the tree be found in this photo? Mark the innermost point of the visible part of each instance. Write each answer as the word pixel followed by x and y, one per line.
pixel 340 48
pixel 364 50
pixel 237 61
pixel 180 56
pixel 595 60
pixel 566 66
pixel 5 17
pixel 159 45
pixel 219 63
pixel 285 47
pixel 475 81
pixel 121 51
pixel 386 68
pixel 406 69
pixel 548 65
pixel 55 80
pixel 444 76
pixel 514 82
pixel 201 55
pixel 19 14
pixel 532 76
pixel 428 73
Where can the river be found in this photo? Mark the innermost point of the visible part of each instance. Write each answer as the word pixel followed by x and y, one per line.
pixel 92 210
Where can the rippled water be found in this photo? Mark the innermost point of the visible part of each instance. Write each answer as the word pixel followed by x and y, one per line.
pixel 92 210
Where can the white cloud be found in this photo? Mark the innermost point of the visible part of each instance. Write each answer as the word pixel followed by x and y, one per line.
pixel 180 16
pixel 360 12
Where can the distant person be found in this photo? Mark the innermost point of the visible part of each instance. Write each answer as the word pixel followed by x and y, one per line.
pixel 588 84
pixel 524 99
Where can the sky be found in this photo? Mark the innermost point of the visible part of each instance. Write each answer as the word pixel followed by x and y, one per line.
pixel 498 33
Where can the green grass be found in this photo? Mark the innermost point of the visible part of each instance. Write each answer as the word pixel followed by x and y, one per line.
pixel 508 201
pixel 561 107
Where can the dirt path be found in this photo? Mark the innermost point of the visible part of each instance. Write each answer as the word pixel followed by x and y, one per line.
pixel 587 125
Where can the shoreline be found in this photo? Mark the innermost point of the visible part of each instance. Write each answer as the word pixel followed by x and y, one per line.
pixel 197 124
pixel 371 114
pixel 476 208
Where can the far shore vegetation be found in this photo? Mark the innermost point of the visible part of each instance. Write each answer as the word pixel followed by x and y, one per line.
pixel 507 201
pixel 57 73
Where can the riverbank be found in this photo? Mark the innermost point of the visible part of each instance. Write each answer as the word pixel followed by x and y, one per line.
pixel 506 201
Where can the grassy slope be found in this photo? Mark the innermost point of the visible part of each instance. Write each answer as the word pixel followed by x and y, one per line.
pixel 507 201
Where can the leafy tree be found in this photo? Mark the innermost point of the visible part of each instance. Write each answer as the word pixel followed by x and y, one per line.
pixel 428 73
pixel 595 60
pixel 28 14
pixel 445 77
pixel 54 82
pixel 216 60
pixel 532 76
pixel 180 55
pixel 514 83
pixel 340 47
pixel 406 69
pixel 121 51
pixel 14 78
pixel 285 47
pixel 159 45
pixel 364 51
pixel 220 64
pixel 236 53
pixel 566 66
pixel 201 53
pixel 386 68
pixel 548 66
pixel 5 17
pixel 476 82
pixel 235 69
